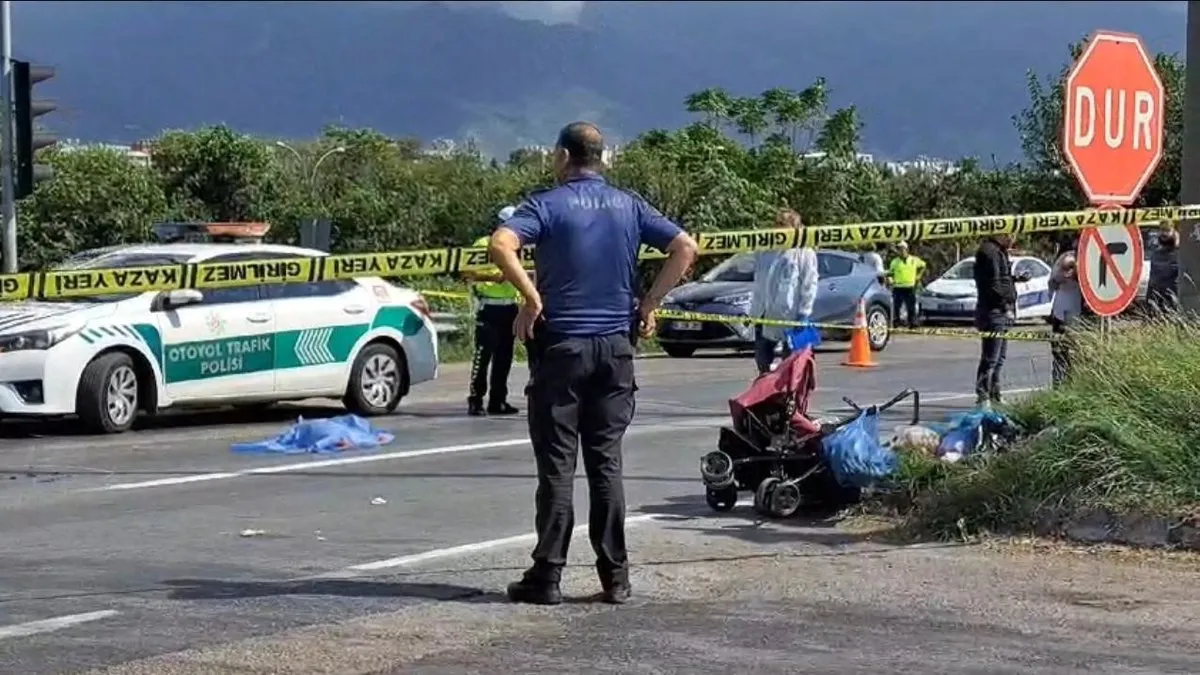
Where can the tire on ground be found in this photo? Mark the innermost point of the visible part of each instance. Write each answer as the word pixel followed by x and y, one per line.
pixel 91 397
pixel 356 400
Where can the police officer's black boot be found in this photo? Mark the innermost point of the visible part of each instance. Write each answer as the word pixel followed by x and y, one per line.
pixel 501 408
pixel 475 407
pixel 537 587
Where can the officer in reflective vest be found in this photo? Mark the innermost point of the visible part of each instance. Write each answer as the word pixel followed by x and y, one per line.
pixel 905 273
pixel 495 303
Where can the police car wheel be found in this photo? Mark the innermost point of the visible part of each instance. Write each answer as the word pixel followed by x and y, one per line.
pixel 375 381
pixel 879 327
pixel 107 398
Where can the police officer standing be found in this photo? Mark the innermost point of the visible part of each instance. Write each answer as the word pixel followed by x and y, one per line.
pixel 905 273
pixel 579 316
pixel 495 310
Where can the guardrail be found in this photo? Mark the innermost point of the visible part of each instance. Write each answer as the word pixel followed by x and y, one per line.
pixel 446 323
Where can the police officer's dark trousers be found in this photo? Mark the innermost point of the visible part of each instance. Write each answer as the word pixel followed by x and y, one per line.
pixel 494 342
pixel 581 396
pixel 906 298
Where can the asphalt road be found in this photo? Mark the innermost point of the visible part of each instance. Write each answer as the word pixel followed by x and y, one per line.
pixel 122 549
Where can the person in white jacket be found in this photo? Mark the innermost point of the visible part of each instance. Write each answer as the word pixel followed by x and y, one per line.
pixel 785 288
pixel 1066 309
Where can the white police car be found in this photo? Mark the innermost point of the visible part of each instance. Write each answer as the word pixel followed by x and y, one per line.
pixel 951 297
pixel 106 358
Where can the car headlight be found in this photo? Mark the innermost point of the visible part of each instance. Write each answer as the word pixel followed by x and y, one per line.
pixel 36 339
pixel 739 299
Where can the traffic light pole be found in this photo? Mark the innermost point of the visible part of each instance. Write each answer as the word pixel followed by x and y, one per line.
pixel 8 252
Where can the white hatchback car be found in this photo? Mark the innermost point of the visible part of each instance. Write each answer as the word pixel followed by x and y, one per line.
pixel 951 297
pixel 106 358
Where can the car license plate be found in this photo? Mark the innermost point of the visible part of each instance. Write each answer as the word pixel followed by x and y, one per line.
pixel 687 325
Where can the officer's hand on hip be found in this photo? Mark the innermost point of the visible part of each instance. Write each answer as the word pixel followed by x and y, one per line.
pixel 527 317
pixel 646 322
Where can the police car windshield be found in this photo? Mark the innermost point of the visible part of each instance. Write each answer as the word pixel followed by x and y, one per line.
pixel 738 268
pixel 114 260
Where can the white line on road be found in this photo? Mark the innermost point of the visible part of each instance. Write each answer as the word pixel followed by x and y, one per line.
pixel 50 625
pixel 490 544
pixel 478 547
pixel 467 549
pixel 701 422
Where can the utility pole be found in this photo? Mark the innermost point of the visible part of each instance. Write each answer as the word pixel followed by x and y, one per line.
pixel 8 252
pixel 1189 190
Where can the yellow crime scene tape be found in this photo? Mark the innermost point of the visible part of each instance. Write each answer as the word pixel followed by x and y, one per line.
pixel 430 262
pixel 680 315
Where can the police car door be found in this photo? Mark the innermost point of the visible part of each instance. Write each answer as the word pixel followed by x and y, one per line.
pixel 318 325
pixel 221 347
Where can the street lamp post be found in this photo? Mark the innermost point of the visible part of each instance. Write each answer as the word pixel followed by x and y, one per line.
pixel 312 175
pixel 315 232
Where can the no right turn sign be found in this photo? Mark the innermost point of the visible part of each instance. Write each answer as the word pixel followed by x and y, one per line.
pixel 1110 261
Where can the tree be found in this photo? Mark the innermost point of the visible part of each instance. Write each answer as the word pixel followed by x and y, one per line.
pixel 750 116
pixel 744 158
pixel 216 174
pixel 714 103
pixel 98 197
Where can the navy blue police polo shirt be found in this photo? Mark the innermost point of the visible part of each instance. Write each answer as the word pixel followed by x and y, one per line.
pixel 587 235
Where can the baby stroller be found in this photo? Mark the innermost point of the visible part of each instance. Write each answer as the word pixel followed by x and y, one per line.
pixel 773 448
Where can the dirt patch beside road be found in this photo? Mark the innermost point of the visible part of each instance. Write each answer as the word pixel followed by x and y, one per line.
pixel 720 594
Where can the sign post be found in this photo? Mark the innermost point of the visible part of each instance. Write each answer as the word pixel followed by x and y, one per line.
pixel 1113 116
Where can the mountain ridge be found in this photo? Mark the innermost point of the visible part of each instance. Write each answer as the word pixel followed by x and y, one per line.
pixel 938 83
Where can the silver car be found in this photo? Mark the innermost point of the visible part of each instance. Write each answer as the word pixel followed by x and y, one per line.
pixel 844 279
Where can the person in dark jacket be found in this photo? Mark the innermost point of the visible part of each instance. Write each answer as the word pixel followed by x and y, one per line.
pixel 1162 291
pixel 995 313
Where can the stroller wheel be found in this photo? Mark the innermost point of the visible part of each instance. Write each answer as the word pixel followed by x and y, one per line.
pixel 723 499
pixel 762 496
pixel 785 500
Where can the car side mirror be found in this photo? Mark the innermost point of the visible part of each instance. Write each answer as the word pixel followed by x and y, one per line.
pixel 180 297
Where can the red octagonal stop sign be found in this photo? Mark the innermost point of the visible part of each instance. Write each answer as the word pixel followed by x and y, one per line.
pixel 1113 118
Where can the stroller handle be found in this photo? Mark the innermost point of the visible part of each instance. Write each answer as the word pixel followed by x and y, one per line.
pixel 883 407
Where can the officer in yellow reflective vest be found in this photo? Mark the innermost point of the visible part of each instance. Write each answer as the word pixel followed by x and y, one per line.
pixel 905 273
pixel 495 302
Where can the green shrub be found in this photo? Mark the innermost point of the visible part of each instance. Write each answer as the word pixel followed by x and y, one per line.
pixel 1122 434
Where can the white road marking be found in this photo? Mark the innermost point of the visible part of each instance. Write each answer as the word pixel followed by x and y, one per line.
pixel 528 538
pixel 480 546
pixel 50 625
pixel 700 422
pixel 467 549
pixel 381 457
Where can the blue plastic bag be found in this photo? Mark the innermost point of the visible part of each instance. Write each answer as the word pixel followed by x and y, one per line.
pixel 804 336
pixel 855 455
pixel 335 434
pixel 963 433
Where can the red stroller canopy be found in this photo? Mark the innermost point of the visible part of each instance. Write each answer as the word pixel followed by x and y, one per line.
pixel 794 379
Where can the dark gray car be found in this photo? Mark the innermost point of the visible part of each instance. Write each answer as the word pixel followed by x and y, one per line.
pixel 844 279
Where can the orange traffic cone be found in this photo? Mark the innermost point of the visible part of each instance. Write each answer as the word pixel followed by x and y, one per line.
pixel 860 343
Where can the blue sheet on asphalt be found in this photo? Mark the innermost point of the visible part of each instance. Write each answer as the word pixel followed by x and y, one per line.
pixel 334 434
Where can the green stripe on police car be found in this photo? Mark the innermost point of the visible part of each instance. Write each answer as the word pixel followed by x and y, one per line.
pixel 317 346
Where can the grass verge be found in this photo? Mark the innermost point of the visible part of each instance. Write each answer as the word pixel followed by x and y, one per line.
pixel 1122 435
